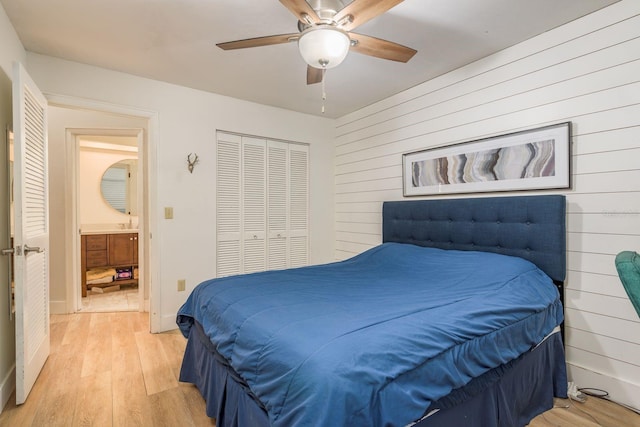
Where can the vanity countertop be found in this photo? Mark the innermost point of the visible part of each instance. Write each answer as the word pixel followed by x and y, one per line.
pixel 108 231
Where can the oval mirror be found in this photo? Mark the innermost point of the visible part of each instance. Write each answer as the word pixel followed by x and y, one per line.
pixel 119 186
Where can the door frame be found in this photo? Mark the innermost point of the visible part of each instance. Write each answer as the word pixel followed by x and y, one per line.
pixel 148 221
pixel 72 146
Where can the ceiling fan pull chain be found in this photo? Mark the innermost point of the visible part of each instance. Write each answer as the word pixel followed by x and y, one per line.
pixel 324 93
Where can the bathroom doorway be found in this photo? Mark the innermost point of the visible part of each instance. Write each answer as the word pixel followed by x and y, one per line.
pixel 108 135
pixel 107 212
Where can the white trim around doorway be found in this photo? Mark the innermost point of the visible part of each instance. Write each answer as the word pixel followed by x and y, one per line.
pixel 148 220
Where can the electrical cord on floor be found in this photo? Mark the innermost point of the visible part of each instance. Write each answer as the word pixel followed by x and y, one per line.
pixel 595 392
pixel 571 400
pixel 603 394
pixel 591 392
pixel 568 406
pixel 576 395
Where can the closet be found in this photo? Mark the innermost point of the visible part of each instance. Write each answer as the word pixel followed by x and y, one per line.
pixel 262 195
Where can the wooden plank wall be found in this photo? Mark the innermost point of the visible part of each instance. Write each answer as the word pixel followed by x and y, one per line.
pixel 586 72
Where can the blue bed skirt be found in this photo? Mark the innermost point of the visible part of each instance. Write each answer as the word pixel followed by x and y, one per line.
pixel 510 395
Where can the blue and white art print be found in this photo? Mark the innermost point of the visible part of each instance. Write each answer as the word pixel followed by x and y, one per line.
pixel 532 159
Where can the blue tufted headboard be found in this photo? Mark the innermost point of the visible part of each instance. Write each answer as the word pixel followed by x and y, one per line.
pixel 530 227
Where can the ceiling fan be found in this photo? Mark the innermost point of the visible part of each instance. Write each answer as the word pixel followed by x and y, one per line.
pixel 326 35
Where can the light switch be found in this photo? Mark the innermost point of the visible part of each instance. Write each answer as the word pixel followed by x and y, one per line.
pixel 168 213
pixel 182 285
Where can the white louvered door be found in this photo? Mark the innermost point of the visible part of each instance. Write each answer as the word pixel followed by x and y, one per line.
pixel 298 205
pixel 262 205
pixel 277 209
pixel 228 219
pixel 253 204
pixel 31 236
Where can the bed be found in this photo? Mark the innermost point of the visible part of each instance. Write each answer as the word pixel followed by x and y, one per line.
pixel 455 319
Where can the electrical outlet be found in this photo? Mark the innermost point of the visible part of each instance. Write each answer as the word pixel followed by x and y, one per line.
pixel 182 285
pixel 168 213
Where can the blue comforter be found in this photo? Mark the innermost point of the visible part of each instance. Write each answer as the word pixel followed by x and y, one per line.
pixel 373 340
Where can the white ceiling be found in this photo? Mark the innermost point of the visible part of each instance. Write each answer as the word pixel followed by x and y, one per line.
pixel 174 41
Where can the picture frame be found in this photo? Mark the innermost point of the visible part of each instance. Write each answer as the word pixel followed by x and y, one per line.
pixel 532 159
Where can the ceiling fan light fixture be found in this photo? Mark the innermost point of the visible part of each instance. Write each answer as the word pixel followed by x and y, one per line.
pixel 324 46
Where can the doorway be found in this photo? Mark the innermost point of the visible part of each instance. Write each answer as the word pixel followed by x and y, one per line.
pixel 69 122
pixel 108 206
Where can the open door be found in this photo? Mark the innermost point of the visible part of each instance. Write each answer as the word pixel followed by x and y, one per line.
pixel 31 233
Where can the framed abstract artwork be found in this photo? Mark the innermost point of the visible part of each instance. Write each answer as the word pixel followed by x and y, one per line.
pixel 527 160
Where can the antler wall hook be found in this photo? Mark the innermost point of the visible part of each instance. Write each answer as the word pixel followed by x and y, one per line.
pixel 192 163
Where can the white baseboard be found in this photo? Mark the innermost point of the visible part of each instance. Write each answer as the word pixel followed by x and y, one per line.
pixel 619 390
pixel 7 386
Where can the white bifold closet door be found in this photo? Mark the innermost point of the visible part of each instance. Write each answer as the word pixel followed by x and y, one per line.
pixel 298 175
pixel 277 205
pixel 228 205
pixel 253 204
pixel 262 204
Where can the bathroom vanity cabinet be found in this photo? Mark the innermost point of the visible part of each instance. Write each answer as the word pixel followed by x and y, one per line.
pixel 109 250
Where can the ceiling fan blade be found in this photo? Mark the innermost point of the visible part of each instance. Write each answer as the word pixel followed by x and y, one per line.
pixel 259 41
pixel 300 8
pixel 314 75
pixel 380 48
pixel 363 11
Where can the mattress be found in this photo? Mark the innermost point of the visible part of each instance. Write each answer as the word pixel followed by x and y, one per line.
pixel 376 339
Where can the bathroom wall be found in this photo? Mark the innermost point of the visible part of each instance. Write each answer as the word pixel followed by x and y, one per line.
pixel 93 211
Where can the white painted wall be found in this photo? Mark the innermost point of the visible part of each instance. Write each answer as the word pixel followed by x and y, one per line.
pixel 94 211
pixel 10 50
pixel 586 72
pixel 187 123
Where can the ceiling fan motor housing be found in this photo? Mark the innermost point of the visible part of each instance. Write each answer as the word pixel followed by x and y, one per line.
pixel 325 9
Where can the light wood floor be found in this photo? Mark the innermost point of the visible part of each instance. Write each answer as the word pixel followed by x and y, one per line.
pixel 594 412
pixel 105 369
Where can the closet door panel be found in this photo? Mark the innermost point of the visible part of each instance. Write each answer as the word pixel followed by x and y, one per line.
pixel 228 261
pixel 298 205
pixel 299 251
pixel 277 256
pixel 254 204
pixel 254 255
pixel 277 206
pixel 228 202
